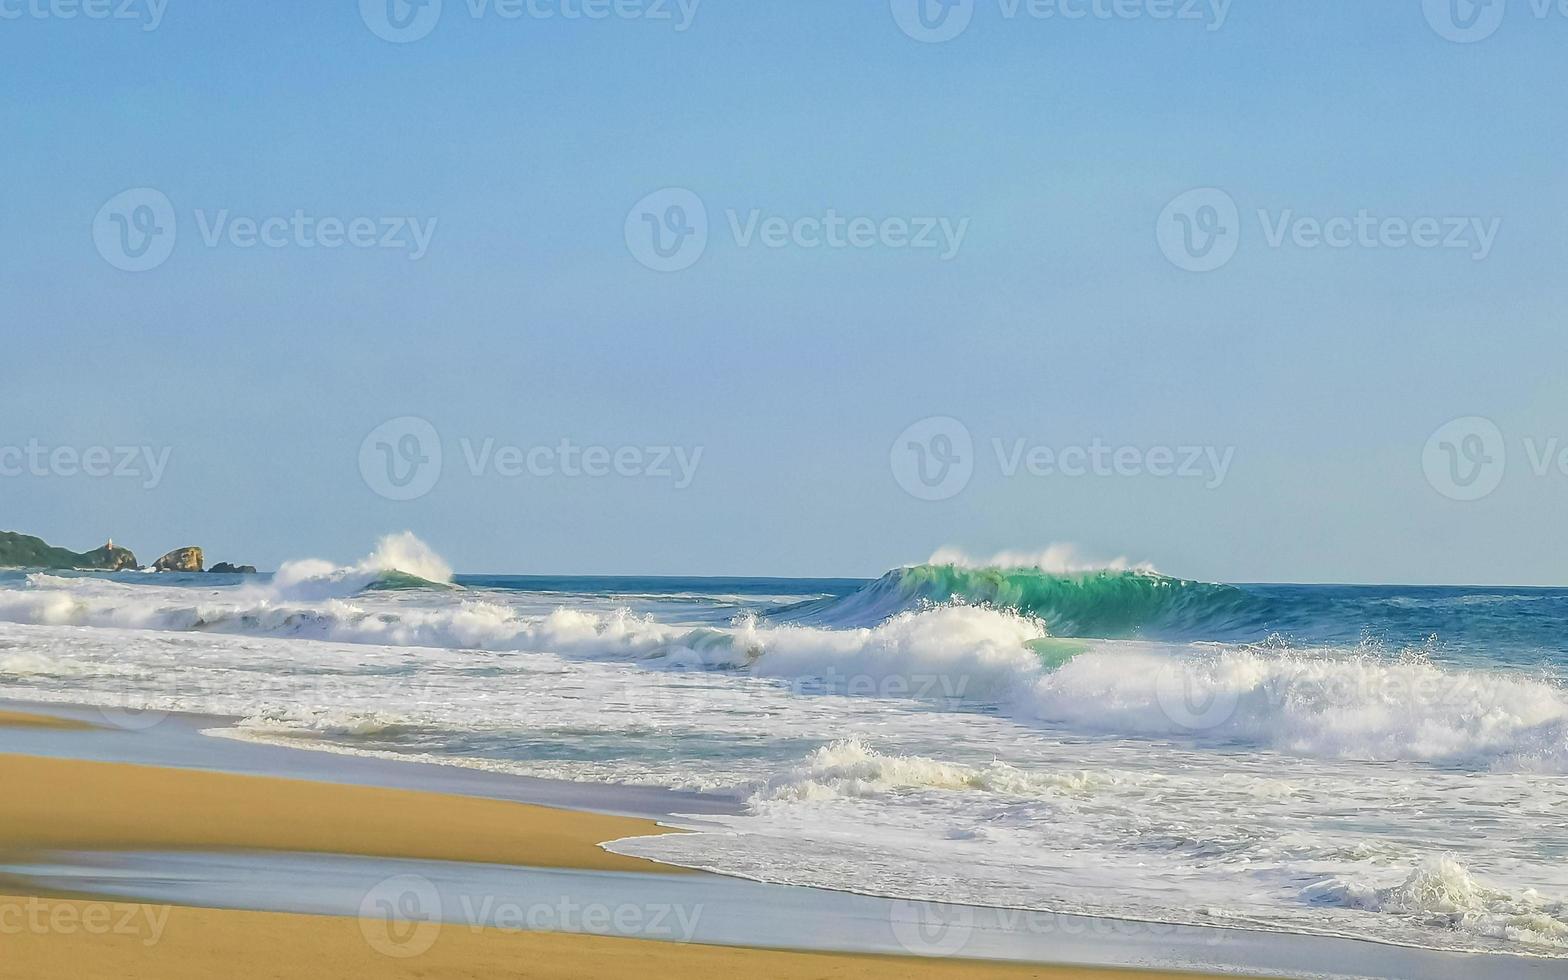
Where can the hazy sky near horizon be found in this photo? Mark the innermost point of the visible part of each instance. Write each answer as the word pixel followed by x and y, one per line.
pixel 739 268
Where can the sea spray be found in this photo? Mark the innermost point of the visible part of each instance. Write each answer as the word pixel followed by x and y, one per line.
pixel 401 557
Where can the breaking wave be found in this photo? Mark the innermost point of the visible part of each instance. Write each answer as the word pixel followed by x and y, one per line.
pixel 1102 603
pixel 968 639
pixel 1442 893
pixel 400 561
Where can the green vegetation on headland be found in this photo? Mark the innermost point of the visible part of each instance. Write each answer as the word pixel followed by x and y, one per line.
pixel 25 551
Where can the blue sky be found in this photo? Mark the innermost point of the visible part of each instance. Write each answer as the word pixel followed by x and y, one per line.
pixel 1059 322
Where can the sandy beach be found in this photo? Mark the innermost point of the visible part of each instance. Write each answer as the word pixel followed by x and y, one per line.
pixel 70 805
pixel 66 805
pixel 23 719
pixel 202 943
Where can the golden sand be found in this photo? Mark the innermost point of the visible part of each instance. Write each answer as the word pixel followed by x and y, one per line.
pixel 57 804
pixel 20 719
pixel 128 942
pixel 67 804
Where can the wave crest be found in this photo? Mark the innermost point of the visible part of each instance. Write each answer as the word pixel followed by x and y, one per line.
pixel 1104 603
pixel 399 561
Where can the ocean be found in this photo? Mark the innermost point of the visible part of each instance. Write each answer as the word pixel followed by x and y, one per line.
pixel 1380 762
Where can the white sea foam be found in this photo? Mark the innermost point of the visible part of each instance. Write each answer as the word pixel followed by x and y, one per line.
pixel 1056 559
pixel 949 652
pixel 1076 789
pixel 1306 702
pixel 1442 892
pixel 312 578
pixel 851 768
pixel 1316 703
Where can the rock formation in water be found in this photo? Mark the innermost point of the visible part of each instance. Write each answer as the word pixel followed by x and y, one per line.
pixel 181 560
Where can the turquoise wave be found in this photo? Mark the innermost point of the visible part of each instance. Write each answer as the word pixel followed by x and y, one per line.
pixel 396 581
pixel 1097 604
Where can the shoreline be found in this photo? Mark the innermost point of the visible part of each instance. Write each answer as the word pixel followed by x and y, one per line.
pixel 158 808
pixel 155 808
pixel 23 719
pixel 195 944
pixel 86 757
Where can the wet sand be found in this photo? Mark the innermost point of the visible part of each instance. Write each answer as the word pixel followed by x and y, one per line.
pixel 129 942
pixel 23 719
pixel 72 805
pixel 68 805
pixel 166 789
